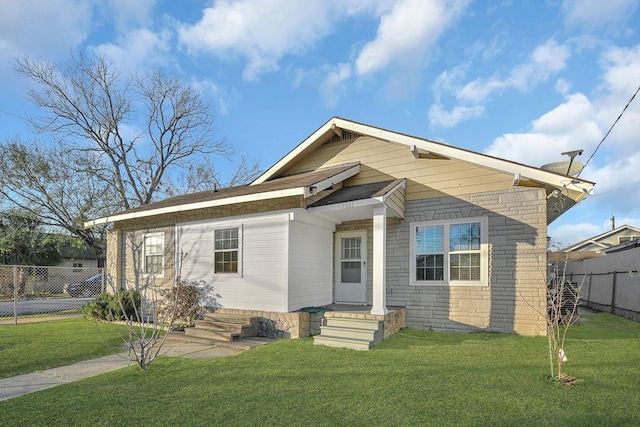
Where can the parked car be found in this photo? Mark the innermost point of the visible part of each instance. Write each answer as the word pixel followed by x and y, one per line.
pixel 86 288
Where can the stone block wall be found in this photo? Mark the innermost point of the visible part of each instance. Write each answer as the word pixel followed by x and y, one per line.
pixel 281 325
pixel 515 297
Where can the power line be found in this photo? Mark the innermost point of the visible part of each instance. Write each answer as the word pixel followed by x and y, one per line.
pixel 11 114
pixel 609 131
pixel 615 189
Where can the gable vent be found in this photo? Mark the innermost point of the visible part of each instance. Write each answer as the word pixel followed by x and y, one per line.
pixel 346 136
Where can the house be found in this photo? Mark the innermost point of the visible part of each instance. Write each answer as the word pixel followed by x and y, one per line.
pixel 408 231
pixel 609 239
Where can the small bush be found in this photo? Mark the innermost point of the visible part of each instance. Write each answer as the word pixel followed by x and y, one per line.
pixel 119 306
pixel 180 304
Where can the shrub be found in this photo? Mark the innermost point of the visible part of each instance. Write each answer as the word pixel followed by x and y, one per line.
pixel 119 306
pixel 180 304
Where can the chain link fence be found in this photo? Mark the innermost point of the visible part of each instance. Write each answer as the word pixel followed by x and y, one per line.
pixel 27 291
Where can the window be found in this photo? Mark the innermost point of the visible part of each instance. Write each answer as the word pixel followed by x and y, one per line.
pixel 226 250
pixel 626 239
pixel 154 254
pixel 449 252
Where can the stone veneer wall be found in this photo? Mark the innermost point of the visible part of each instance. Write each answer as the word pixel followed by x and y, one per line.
pixel 517 265
pixel 281 325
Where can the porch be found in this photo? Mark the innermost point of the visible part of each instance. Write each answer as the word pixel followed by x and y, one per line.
pixel 310 320
pixel 353 326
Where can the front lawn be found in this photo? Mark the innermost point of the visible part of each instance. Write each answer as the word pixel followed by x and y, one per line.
pixel 414 378
pixel 37 346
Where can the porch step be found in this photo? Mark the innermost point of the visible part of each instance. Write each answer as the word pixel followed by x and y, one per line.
pixel 224 327
pixel 357 334
pixel 354 344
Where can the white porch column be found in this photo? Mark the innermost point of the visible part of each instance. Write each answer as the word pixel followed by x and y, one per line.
pixel 379 260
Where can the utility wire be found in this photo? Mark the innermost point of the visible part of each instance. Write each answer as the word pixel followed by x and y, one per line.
pixel 609 131
pixel 10 114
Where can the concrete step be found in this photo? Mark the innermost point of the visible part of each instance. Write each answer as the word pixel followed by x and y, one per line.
pixel 341 332
pixel 353 323
pixel 231 318
pixel 354 344
pixel 219 326
pixel 211 335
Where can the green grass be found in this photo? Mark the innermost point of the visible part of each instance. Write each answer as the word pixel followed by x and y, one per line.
pixel 36 346
pixel 414 378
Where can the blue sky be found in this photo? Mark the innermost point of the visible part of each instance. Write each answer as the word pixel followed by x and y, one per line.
pixel 523 80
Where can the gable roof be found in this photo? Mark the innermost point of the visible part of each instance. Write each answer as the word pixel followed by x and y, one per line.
pixel 598 240
pixel 274 183
pixel 304 184
pixel 421 147
pixel 570 190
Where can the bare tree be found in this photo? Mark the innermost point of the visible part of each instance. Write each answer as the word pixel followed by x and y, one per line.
pixel 562 312
pixel 114 142
pixel 42 182
pixel 142 128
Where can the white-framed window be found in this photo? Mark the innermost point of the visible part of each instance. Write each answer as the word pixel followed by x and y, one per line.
pixel 625 239
pixel 227 247
pixel 154 254
pixel 450 252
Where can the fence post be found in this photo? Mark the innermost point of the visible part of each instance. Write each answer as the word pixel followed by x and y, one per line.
pixel 613 293
pixel 15 295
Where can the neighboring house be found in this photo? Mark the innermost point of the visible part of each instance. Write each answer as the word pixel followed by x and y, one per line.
pixel 75 254
pixel 604 241
pixel 357 215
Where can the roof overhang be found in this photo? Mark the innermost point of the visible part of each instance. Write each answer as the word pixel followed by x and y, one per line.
pixel 317 181
pixel 200 205
pixel 570 190
pixel 363 208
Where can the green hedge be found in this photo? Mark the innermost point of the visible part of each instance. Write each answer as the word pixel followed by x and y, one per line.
pixel 122 305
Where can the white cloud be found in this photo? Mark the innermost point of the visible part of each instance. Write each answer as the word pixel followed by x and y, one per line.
pixel 451 118
pixel 334 84
pixel 128 14
pixel 262 32
pixel 592 15
pixel 569 126
pixel 137 50
pixel 407 32
pixel 43 27
pixel 545 60
pixel 581 122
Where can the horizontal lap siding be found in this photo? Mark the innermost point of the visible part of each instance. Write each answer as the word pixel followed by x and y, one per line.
pixel 426 178
pixel 310 265
pixel 262 284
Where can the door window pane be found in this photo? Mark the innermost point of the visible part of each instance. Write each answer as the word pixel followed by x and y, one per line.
pixel 351 272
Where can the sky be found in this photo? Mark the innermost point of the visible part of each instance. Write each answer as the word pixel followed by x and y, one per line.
pixel 524 80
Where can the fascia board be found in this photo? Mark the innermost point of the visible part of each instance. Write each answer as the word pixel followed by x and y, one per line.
pixel 304 146
pixel 332 180
pixel 200 205
pixel 551 178
pixel 344 205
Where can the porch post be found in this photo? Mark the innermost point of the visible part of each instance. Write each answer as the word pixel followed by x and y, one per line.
pixel 379 260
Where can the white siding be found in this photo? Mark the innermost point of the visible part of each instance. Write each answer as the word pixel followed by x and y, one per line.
pixel 262 282
pixel 310 263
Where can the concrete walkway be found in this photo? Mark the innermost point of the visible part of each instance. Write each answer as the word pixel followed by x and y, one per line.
pixel 36 381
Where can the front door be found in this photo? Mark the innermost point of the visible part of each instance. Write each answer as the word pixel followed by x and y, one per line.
pixel 351 269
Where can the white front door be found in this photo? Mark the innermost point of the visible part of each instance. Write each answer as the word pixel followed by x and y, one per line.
pixel 351 269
